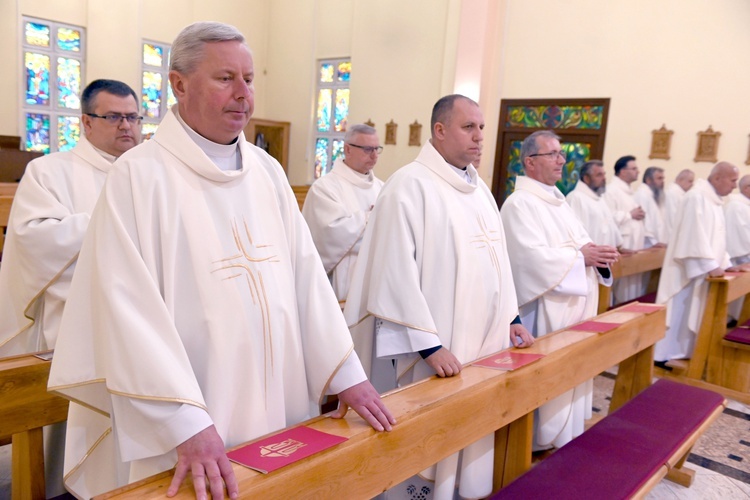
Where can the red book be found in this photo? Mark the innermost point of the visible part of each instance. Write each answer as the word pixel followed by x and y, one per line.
pixel 594 326
pixel 640 308
pixel 508 360
pixel 283 448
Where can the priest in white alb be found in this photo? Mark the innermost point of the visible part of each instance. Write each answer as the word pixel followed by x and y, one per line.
pixel 558 270
pixel 673 196
pixel 50 214
pixel 629 217
pixel 696 249
pixel 200 316
pixel 650 197
pixel 587 203
pixel 48 220
pixel 338 204
pixel 737 214
pixel 433 288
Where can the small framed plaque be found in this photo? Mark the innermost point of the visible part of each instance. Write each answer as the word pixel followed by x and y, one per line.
pixel 708 146
pixel 390 132
pixel 661 141
pixel 415 134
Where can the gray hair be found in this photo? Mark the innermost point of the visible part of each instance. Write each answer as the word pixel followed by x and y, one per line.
pixel 187 48
pixel 529 146
pixel 651 172
pixel 360 128
pixel 586 167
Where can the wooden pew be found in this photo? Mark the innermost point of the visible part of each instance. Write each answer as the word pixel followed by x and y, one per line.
pixel 650 259
pixel 26 407
pixel 5 203
pixel 437 417
pixel 8 188
pixel 717 364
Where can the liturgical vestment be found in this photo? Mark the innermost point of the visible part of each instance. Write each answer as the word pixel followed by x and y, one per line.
pixel 653 224
pixel 737 213
pixel 48 220
pixel 434 262
pixel 555 289
pixel 595 215
pixel 199 294
pixel 673 196
pixel 336 209
pixel 697 245
pixel 620 199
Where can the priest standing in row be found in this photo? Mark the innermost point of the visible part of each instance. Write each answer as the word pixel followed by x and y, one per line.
pixel 591 209
pixel 650 197
pixel 674 193
pixel 697 249
pixel 339 203
pixel 200 316
pixel 558 270
pixel 50 214
pixel 48 220
pixel 629 217
pixel 737 214
pixel 433 273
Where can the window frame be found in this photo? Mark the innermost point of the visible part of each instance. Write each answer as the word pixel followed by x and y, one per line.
pixel 153 122
pixel 331 134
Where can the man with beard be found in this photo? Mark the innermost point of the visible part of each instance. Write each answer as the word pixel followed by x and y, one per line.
pixel 587 203
pixel 650 196
pixel 673 194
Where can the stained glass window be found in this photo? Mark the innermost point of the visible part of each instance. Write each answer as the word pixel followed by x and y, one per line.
pixel 68 132
pixel 555 117
pixel 53 57
pixel 37 34
pixel 68 83
pixel 155 85
pixel 69 39
pixel 37 132
pixel 331 112
pixel 37 79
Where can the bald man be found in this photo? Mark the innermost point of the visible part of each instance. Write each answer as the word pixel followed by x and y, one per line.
pixel 696 249
pixel 673 195
pixel 737 214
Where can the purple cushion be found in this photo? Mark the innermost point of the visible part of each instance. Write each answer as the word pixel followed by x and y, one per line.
pixel 741 335
pixel 619 454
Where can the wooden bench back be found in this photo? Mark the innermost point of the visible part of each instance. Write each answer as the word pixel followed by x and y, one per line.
pixel 5 203
pixel 437 417
pixel 300 192
pixel 644 261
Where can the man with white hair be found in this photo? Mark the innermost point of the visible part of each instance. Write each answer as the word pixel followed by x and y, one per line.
pixel 650 196
pixel 696 249
pixel 200 316
pixel 673 196
pixel 338 205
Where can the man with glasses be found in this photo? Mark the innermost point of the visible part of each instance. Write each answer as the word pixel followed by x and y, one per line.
pixel 432 288
pixel 338 205
pixel 629 216
pixel 50 213
pixel 48 220
pixel 557 269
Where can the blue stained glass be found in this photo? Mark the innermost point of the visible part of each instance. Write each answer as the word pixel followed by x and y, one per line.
pixel 344 71
pixel 37 78
pixel 338 149
pixel 342 110
pixel 148 130
pixel 322 163
pixel 68 83
pixel 323 114
pixel 68 132
pixel 151 95
pixel 171 99
pixel 37 34
pixel 69 39
pixel 153 55
pixel 37 132
pixel 326 73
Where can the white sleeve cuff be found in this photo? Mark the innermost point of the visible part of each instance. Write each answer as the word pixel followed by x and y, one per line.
pixel 349 374
pixel 574 283
pixel 393 339
pixel 151 428
pixel 695 267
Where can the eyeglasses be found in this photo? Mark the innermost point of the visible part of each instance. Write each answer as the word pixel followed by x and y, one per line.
pixel 116 118
pixel 368 149
pixel 553 154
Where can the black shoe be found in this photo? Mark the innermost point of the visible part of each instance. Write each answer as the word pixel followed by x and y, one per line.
pixel 662 365
pixel 732 323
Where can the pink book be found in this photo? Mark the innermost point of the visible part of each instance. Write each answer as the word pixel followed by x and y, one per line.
pixel 640 308
pixel 594 326
pixel 508 360
pixel 283 448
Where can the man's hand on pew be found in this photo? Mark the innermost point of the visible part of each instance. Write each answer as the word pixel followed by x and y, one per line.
pixel 365 400
pixel 599 255
pixel 520 336
pixel 742 268
pixel 717 273
pixel 204 456
pixel 444 363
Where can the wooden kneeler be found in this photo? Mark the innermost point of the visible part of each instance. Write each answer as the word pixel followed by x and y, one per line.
pixel 25 408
